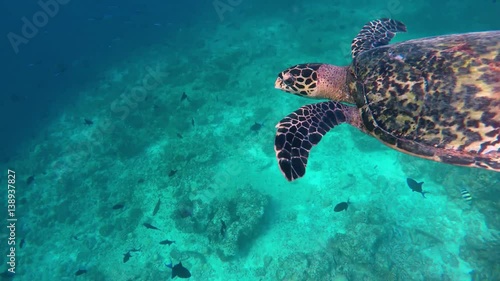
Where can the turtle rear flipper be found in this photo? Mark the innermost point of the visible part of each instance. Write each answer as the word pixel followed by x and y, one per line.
pixel 374 34
pixel 302 129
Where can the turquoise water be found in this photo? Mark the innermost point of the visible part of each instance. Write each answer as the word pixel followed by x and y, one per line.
pixel 93 109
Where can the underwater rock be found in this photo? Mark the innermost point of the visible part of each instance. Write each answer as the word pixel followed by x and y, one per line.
pixel 231 224
pixel 316 266
pixel 368 250
pixel 237 222
pixel 351 249
pixel 483 251
pixel 191 216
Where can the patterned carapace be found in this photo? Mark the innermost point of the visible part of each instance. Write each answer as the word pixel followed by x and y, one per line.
pixel 435 97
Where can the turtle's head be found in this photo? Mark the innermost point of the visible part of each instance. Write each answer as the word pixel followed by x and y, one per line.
pixel 315 80
pixel 300 79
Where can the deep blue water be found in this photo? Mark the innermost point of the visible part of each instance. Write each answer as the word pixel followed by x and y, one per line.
pixel 81 39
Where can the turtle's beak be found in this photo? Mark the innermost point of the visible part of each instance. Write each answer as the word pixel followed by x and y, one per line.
pixel 278 84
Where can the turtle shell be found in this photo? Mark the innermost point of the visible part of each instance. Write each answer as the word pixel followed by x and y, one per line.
pixel 437 97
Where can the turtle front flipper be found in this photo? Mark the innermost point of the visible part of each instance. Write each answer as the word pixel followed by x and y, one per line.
pixel 302 129
pixel 374 34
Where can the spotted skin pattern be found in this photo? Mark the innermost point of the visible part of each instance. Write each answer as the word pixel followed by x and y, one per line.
pixel 437 98
pixel 299 79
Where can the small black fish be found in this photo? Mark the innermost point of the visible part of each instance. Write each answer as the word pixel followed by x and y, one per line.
pixel 126 257
pixel 341 206
pixel 87 122
pixel 30 179
pixel 16 98
pixel 157 207
pixel 223 228
pixel 167 242
pixel 192 121
pixel 141 180
pixel 21 244
pixel 179 271
pixel 184 96
pixel 416 186
pixel 256 127
pixel 80 272
pixel 118 206
pixel 179 135
pixel 148 225
pixel 135 250
pixel 172 173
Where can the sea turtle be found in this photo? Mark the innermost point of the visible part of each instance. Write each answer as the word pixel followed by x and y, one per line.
pixel 437 98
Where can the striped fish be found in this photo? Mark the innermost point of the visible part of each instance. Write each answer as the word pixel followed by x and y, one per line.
pixel 466 195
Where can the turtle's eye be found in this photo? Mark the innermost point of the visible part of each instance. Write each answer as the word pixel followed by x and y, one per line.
pixel 288 80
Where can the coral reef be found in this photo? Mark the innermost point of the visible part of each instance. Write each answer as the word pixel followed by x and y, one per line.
pixel 235 223
pixel 230 224
pixel 306 266
pixel 384 251
pixel 484 254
